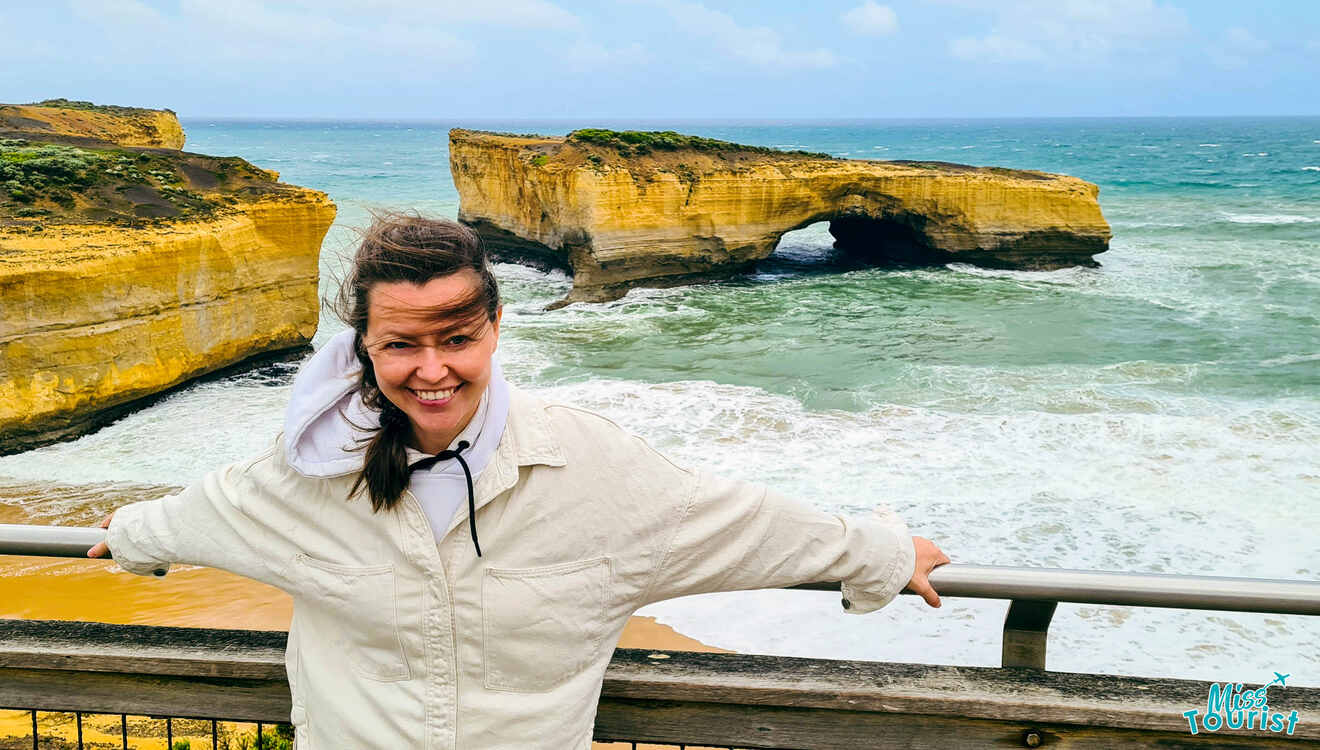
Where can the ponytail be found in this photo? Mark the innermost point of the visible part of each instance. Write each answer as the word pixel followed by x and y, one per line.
pixel 385 459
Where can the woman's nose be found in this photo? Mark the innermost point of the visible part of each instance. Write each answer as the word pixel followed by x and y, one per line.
pixel 431 366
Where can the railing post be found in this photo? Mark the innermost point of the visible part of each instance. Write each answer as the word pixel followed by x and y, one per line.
pixel 1026 629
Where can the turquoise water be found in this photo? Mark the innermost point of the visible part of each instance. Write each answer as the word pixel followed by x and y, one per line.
pixel 1159 413
pixel 1214 262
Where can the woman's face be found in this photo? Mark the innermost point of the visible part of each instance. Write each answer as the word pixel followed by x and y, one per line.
pixel 434 370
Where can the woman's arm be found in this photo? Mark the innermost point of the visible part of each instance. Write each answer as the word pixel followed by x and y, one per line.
pixel 737 535
pixel 207 524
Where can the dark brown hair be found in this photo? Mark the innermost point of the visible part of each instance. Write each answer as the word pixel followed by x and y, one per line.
pixel 411 248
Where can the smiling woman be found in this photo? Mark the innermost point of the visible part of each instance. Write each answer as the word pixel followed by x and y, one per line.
pixel 406 632
pixel 435 375
pixel 424 306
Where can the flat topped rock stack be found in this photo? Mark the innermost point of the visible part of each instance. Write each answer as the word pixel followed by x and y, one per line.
pixel 125 126
pixel 625 209
pixel 126 270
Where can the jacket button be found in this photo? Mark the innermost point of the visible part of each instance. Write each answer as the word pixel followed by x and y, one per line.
pixel 847 604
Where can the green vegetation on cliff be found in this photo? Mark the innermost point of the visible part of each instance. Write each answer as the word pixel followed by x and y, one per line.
pixel 642 142
pixel 110 109
pixel 57 183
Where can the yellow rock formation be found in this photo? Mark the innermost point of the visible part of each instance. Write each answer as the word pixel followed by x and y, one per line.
pixel 125 126
pixel 128 266
pixel 93 318
pixel 616 217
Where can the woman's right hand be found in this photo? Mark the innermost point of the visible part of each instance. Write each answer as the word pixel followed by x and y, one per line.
pixel 929 557
pixel 100 549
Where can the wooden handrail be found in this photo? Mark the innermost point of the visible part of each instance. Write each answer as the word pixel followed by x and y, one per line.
pixel 656 696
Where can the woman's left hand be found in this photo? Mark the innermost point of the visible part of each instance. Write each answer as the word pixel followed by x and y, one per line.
pixel 929 557
pixel 100 548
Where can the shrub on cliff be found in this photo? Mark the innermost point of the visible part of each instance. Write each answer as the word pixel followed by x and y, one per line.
pixel 642 142
pixel 90 106
pixel 48 166
pixel 116 185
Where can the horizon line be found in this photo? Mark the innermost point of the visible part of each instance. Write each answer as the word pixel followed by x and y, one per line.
pixel 730 119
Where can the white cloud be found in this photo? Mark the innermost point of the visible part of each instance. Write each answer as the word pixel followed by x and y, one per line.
pixel 239 20
pixel 1237 48
pixel 441 13
pixel 129 13
pixel 246 34
pixel 1069 31
pixel 869 18
pixel 996 48
pixel 1244 41
pixel 18 48
pixel 589 55
pixel 534 13
pixel 759 45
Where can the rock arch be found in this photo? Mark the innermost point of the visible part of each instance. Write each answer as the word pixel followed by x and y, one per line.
pixel 616 221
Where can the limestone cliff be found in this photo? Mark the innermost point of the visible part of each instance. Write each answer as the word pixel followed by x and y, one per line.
pixel 618 210
pixel 124 126
pixel 94 318
pixel 127 271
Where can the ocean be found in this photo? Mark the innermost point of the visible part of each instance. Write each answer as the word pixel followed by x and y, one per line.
pixel 1160 413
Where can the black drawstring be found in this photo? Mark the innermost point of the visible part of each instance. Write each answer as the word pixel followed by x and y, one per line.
pixel 429 461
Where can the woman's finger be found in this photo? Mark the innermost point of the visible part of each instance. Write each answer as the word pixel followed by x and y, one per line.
pixel 923 589
pixel 101 548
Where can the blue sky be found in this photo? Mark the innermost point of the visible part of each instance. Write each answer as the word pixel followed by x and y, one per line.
pixel 667 58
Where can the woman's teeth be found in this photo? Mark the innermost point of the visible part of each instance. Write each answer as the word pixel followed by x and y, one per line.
pixel 435 395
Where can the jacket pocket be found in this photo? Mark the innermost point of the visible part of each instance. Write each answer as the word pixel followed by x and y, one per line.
pixel 355 615
pixel 542 626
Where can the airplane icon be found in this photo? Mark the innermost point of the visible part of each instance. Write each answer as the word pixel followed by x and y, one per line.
pixel 1279 678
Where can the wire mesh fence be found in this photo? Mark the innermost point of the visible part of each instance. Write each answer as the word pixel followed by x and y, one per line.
pixel 24 729
pixel 60 730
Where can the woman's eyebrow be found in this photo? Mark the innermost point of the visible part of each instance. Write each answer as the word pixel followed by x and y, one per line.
pixel 469 327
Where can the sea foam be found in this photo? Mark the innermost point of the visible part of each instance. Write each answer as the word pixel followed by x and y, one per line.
pixel 1271 219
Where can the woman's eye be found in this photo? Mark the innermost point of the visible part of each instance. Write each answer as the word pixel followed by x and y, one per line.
pixel 457 340
pixel 397 345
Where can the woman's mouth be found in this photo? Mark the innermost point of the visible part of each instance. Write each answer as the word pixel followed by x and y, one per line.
pixel 436 397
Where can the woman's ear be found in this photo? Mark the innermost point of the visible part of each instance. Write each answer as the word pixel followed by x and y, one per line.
pixel 360 349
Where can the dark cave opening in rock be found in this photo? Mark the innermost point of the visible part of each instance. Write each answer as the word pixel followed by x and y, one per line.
pixel 847 243
pixel 897 240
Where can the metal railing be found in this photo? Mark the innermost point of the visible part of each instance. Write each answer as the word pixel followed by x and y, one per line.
pixel 1034 593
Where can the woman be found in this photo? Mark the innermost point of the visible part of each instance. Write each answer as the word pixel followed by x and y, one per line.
pixel 462 555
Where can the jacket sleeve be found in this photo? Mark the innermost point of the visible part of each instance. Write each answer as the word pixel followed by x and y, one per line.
pixel 736 535
pixel 206 524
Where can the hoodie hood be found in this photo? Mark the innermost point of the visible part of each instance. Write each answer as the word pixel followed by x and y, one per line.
pixel 326 422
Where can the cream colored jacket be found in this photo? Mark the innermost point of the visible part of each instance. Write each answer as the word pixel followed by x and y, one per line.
pixel 398 641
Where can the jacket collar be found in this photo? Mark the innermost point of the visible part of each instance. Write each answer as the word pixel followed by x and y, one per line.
pixel 527 440
pixel 529 433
